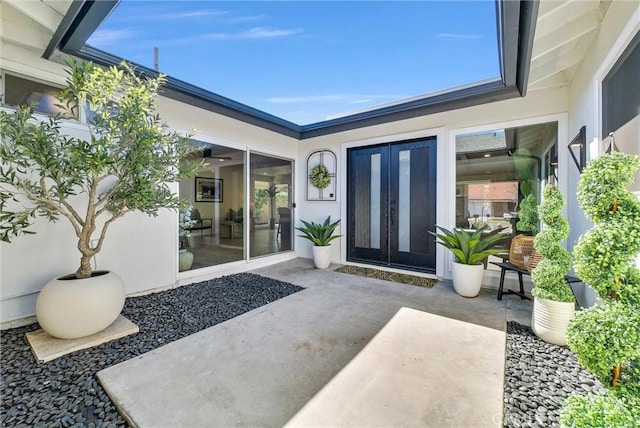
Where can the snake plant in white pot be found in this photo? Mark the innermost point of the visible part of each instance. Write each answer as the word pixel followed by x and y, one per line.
pixel 124 164
pixel 470 249
pixel 321 235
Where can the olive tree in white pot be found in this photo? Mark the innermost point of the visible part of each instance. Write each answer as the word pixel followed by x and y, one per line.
pixel 123 165
pixel 470 249
pixel 554 303
pixel 321 235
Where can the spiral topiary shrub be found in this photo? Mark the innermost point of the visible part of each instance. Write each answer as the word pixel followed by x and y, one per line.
pixel 548 275
pixel 606 337
pixel 528 215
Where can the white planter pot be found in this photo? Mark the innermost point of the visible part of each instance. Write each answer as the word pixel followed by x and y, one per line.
pixel 467 279
pixel 185 260
pixel 322 256
pixel 550 319
pixel 72 308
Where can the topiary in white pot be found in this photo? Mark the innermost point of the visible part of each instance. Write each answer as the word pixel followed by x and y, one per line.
pixel 125 165
pixel 554 303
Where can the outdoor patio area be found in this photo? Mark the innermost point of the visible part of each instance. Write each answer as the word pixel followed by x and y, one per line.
pixel 261 367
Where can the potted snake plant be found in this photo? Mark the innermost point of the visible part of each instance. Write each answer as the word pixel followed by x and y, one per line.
pixel 321 235
pixel 470 250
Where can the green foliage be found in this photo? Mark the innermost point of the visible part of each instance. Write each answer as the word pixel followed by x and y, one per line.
pixel 320 234
pixel 607 336
pixel 471 248
pixel 528 215
pixel 124 164
pixel 548 275
pixel 604 254
pixel 259 200
pixel 271 192
pixel 601 410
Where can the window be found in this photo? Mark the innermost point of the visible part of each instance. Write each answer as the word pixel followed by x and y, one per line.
pixel 41 97
pixel 621 90
pixel 496 170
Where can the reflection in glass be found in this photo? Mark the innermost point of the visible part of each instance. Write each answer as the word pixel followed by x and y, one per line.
pixel 404 201
pixel 216 235
pixel 374 209
pixel 270 185
pixel 496 170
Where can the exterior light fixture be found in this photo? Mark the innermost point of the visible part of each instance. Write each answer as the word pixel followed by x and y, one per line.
pixel 578 149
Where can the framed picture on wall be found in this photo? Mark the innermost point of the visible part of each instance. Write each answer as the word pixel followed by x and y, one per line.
pixel 208 189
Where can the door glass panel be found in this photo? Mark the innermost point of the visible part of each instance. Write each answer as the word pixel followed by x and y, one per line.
pixel 213 233
pixel 374 209
pixel 271 222
pixel 404 200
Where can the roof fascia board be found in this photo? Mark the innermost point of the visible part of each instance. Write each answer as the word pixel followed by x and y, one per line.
pixel 467 97
pixel 193 95
pixel 67 21
pixel 528 20
pixel 516 25
pixel 508 28
pixel 87 20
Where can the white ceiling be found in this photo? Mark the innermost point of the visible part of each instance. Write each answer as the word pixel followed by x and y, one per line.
pixel 41 15
pixel 564 33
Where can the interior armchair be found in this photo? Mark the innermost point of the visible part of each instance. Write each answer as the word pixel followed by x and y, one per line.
pixel 201 224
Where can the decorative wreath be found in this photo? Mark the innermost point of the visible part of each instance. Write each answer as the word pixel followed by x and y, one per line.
pixel 320 176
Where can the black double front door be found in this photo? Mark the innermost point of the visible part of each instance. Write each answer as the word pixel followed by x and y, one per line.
pixel 392 204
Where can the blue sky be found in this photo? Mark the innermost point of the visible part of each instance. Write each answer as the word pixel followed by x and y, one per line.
pixel 306 60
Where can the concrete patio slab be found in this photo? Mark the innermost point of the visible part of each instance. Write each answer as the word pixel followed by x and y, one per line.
pixel 409 376
pixel 46 348
pixel 261 368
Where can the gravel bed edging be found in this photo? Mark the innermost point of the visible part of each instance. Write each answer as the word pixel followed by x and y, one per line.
pixel 539 376
pixel 65 391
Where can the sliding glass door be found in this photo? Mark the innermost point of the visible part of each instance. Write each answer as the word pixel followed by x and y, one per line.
pixel 271 205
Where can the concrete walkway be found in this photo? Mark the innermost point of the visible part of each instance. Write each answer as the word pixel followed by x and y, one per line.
pixel 261 368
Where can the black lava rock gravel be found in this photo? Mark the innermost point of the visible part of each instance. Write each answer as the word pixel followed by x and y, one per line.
pixel 539 376
pixel 65 392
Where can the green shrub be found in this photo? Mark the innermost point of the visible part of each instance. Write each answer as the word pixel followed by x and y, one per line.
pixel 528 215
pixel 548 275
pixel 606 337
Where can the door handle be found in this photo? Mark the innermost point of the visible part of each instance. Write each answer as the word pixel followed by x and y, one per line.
pixel 392 213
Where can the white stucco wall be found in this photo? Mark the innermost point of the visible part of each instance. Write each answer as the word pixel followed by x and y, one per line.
pixel 620 24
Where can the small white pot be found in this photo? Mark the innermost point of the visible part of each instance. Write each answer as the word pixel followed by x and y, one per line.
pixel 321 256
pixel 467 279
pixel 550 319
pixel 185 260
pixel 71 308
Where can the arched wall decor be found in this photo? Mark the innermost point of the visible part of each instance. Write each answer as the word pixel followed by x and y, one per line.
pixel 320 166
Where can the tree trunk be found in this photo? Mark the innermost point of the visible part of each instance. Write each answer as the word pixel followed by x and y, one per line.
pixel 84 271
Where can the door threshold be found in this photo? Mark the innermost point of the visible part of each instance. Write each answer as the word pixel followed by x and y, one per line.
pixel 394 270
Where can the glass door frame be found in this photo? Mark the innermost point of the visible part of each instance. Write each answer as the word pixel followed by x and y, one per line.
pixel 248 199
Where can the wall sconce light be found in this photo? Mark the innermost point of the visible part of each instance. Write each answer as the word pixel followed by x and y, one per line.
pixel 578 149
